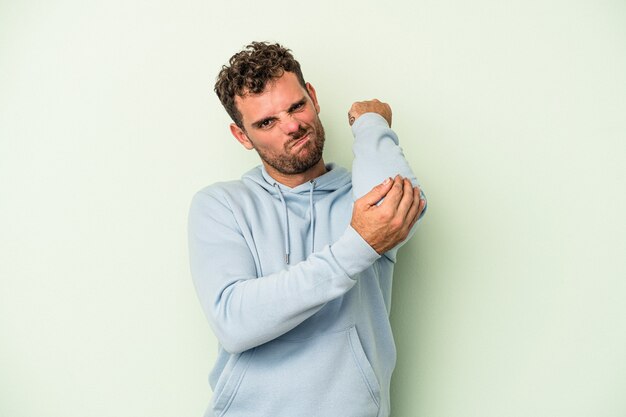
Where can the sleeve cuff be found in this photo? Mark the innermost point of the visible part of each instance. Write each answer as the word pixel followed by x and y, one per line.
pixel 368 120
pixel 353 253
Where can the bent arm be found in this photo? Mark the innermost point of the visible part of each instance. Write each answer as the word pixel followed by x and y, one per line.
pixel 245 309
pixel 377 155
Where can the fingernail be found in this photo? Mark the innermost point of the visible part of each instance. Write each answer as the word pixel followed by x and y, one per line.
pixel 387 181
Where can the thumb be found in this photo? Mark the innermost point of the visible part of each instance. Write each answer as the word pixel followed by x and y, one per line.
pixel 378 192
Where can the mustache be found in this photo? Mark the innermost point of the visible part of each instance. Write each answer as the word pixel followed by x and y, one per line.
pixel 299 134
pixel 296 136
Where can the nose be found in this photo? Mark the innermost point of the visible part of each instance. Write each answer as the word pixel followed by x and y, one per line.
pixel 289 124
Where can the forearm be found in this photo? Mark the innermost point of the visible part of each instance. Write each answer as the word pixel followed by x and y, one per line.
pixel 377 154
pixel 246 310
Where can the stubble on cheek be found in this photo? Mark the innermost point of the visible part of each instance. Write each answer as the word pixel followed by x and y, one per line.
pixel 290 162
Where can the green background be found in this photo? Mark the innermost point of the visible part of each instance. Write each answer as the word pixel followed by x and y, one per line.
pixel 508 302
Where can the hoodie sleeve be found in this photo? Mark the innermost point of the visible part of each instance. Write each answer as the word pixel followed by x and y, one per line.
pixel 377 155
pixel 246 309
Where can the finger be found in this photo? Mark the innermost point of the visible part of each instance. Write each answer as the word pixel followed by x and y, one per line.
pixel 414 212
pixel 407 199
pixel 378 192
pixel 393 197
pixel 422 206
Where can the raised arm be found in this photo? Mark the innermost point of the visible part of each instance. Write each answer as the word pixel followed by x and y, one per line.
pixel 377 155
pixel 247 307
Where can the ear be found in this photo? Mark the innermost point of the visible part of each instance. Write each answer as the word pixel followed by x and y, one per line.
pixel 313 96
pixel 241 136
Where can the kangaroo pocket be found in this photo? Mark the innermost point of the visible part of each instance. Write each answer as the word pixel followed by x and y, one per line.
pixel 323 376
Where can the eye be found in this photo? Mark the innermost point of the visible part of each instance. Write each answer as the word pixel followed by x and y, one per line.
pixel 264 124
pixel 298 106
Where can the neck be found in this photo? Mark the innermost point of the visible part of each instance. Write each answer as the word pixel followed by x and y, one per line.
pixel 293 180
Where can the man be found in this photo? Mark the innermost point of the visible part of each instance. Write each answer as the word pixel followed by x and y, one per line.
pixel 293 263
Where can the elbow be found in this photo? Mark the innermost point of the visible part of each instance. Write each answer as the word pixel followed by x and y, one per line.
pixel 232 347
pixel 233 337
pixel 234 332
pixel 233 344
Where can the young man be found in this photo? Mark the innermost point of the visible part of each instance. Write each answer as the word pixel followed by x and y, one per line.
pixel 293 263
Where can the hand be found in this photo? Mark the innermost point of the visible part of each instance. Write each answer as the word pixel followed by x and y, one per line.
pixel 384 226
pixel 372 106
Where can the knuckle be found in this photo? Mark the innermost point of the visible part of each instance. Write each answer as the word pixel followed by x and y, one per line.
pixel 384 217
pixel 396 224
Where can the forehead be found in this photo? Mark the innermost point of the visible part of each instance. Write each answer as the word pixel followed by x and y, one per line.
pixel 278 96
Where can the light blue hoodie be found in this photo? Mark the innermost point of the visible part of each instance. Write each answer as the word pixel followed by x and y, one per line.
pixel 297 299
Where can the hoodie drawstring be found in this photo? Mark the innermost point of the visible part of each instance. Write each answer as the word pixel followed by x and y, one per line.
pixel 312 182
pixel 286 222
pixel 286 219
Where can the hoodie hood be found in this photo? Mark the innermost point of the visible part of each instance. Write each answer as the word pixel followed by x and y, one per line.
pixel 302 198
pixel 335 177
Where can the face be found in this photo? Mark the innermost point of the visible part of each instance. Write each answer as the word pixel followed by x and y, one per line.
pixel 283 126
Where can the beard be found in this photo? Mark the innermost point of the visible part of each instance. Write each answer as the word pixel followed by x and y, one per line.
pixel 306 157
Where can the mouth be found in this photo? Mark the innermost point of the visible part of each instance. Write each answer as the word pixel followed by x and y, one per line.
pixel 298 143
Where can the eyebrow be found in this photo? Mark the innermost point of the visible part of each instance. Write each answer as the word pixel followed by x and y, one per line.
pixel 291 108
